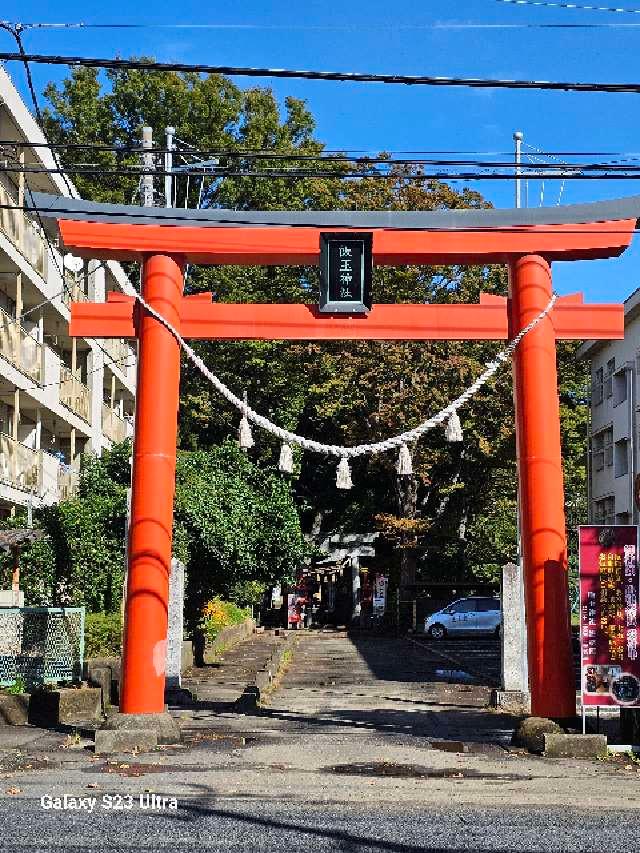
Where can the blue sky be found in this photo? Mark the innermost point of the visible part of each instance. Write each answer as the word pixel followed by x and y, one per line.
pixel 380 37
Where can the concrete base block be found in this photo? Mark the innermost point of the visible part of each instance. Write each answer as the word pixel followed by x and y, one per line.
pixel 511 701
pixel 109 741
pixel 187 655
pixel 165 727
pixel 104 673
pixel 67 705
pixel 101 677
pixel 574 745
pixel 14 709
pixel 531 731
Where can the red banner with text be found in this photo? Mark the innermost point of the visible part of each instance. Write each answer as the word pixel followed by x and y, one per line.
pixel 609 615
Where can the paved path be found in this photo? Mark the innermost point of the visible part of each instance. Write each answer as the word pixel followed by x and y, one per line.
pixel 358 749
pixel 389 686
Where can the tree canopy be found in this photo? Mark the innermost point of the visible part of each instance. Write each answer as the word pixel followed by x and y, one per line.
pixel 457 513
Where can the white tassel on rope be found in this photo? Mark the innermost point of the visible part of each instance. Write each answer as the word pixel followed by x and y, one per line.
pixel 245 438
pixel 343 474
pixel 286 459
pixel 453 430
pixel 404 466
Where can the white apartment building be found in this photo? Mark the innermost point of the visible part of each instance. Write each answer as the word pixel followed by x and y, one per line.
pixel 614 458
pixel 59 397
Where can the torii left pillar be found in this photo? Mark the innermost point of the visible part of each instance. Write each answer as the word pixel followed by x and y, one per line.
pixel 153 487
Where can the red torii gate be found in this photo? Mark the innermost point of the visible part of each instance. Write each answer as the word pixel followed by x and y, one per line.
pixel 527 241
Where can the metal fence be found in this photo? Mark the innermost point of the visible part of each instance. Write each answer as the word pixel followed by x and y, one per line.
pixel 41 645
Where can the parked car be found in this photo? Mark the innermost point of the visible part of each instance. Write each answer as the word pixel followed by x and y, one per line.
pixel 473 615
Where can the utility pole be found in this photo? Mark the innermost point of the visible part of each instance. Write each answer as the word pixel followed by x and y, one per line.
pixel 518 136
pixel 168 167
pixel 147 162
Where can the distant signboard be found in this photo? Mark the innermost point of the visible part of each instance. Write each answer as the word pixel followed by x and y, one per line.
pixel 380 593
pixel 345 272
pixel 609 615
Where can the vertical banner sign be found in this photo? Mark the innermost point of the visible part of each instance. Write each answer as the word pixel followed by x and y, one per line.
pixel 346 263
pixel 380 594
pixel 610 664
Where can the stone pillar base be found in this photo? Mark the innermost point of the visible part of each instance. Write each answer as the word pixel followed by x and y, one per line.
pixel 511 701
pixel 164 725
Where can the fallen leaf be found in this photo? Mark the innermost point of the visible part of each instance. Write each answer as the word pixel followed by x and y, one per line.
pixel 13 791
pixel 92 785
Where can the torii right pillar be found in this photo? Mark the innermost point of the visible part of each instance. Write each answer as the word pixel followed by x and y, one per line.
pixel 541 492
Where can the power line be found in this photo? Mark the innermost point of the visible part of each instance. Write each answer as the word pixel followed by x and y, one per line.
pixel 325 154
pixel 435 25
pixel 549 4
pixel 335 76
pixel 619 164
pixel 531 172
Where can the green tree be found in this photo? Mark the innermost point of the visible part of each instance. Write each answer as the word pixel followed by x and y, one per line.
pixel 235 525
pixel 340 392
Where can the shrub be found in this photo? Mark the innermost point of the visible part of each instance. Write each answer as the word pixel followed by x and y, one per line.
pixel 102 635
pixel 218 614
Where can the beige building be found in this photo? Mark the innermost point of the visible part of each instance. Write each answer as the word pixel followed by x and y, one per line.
pixel 59 397
pixel 614 460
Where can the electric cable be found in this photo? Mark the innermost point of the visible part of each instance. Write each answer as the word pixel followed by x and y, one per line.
pixel 331 76
pixel 296 154
pixel 574 7
pixel 359 27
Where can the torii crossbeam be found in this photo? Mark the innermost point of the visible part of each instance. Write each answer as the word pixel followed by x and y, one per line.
pixel 527 241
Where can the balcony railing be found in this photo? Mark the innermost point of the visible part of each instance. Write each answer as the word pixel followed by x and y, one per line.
pixel 18 347
pixel 72 291
pixel 120 352
pixel 74 394
pixel 23 233
pixel 68 480
pixel 113 426
pixel 20 466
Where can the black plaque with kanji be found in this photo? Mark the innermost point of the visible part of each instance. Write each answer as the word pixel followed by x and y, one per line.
pixel 345 272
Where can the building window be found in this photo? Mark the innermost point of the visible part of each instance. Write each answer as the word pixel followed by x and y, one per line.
pixel 603 449
pixel 605 510
pixel 598 386
pixel 621 458
pixel 619 387
pixel 608 378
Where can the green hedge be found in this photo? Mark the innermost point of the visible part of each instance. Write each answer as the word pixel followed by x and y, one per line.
pixel 102 635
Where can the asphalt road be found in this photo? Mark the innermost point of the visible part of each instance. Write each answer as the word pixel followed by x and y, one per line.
pixel 367 743
pixel 259 825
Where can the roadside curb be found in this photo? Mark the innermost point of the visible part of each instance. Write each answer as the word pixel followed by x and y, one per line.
pixel 264 680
